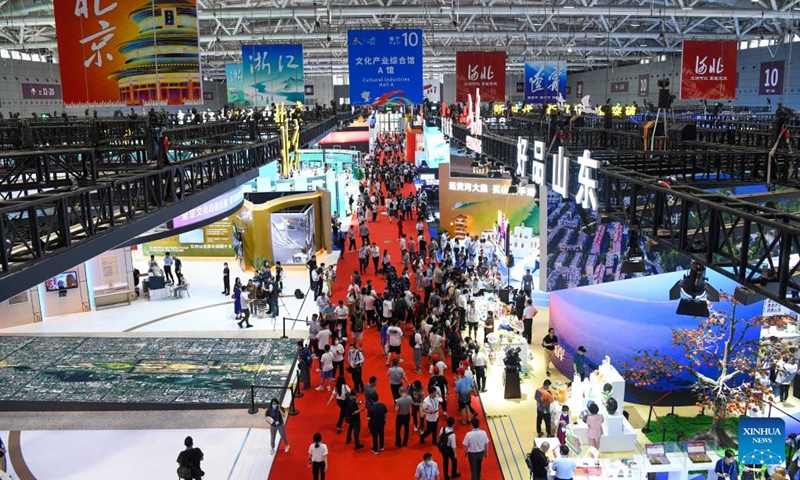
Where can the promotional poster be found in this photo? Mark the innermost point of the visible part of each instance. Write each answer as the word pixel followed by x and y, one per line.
pixel 129 53
pixel 708 70
pixel 432 89
pixel 545 81
pixel 235 83
pixel 484 70
pixel 272 74
pixel 385 67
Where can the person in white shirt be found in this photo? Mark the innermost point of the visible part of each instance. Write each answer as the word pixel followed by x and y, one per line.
pixel 449 454
pixel 322 302
pixel 337 350
pixel 479 362
pixel 476 448
pixel 787 369
pixel 326 361
pixel 395 339
pixel 324 337
pixel 387 307
pixel 527 319
pixel 318 457
pixel 316 282
pixel 430 408
pixel 436 363
pixel 417 352
pixel 563 466
pixel 427 469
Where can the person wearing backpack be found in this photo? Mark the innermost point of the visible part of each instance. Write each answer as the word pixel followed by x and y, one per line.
pixel 543 400
pixel 447 447
pixel 189 461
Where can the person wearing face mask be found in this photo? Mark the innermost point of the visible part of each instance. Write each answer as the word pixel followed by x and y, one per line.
pixel 275 418
pixel 427 469
pixel 318 457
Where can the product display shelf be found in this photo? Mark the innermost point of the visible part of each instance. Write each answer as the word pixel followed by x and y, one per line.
pixel 113 295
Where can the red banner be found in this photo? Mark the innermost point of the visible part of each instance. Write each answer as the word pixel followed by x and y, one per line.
pixel 709 70
pixel 484 70
pixel 128 53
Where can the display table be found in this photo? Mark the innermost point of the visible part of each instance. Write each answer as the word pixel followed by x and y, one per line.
pixel 111 296
pixel 676 469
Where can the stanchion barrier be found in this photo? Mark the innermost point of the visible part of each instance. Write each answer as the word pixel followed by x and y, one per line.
pixel 653 405
pixel 294 324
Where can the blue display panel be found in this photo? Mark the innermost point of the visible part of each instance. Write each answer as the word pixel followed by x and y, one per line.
pixel 385 67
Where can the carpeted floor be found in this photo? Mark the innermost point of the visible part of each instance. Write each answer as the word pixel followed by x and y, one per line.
pixel 344 462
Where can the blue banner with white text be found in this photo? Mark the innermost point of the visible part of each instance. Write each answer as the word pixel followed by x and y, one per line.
pixel 545 81
pixel 272 74
pixel 385 67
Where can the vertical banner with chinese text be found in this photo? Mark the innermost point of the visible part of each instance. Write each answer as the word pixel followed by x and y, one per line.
pixel 484 70
pixel 129 53
pixel 545 81
pixel 234 82
pixel 385 67
pixel 771 78
pixel 272 74
pixel 708 70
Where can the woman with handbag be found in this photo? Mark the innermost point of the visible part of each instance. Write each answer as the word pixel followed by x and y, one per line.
pixel 276 419
pixel 341 392
pixel 189 461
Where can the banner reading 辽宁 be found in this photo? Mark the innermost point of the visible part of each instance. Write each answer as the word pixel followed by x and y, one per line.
pixel 708 70
pixel 128 53
pixel 385 67
pixel 235 82
pixel 481 70
pixel 545 82
pixel 272 74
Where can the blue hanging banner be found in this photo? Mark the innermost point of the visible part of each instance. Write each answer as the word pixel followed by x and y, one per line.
pixel 545 81
pixel 272 74
pixel 235 82
pixel 385 67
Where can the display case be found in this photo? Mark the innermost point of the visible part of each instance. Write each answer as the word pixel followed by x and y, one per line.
pixel 113 295
pixel 666 458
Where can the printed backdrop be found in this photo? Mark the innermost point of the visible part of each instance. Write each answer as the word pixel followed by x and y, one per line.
pixel 708 70
pixel 128 53
pixel 545 81
pixel 235 83
pixel 272 74
pixel 484 70
pixel 385 67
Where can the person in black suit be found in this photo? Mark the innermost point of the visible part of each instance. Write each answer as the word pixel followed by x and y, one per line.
pixel 539 461
pixel 226 280
pixel 191 458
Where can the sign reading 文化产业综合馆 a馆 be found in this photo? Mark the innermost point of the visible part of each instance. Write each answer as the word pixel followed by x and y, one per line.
pixel 129 53
pixel 272 74
pixel 234 82
pixel 762 441
pixel 708 70
pixel 385 67
pixel 545 81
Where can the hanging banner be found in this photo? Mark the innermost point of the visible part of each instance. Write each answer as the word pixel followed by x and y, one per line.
pixel 545 81
pixel 272 74
pixel 484 70
pixel 432 89
pixel 579 89
pixel 128 53
pixel 770 78
pixel 644 85
pixel 235 82
pixel 708 70
pixel 619 87
pixel 385 67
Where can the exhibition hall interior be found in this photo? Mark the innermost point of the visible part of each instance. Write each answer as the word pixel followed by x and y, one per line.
pixel 484 239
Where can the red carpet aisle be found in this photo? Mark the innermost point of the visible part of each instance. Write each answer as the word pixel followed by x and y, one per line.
pixel 344 462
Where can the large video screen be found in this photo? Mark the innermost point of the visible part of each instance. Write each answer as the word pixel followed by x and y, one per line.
pixel 62 281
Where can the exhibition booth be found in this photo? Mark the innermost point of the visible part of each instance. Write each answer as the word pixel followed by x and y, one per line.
pixel 311 177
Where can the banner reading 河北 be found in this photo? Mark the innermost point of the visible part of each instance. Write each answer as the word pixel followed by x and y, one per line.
pixel 235 82
pixel 272 74
pixel 708 70
pixel 484 70
pixel 545 82
pixel 128 53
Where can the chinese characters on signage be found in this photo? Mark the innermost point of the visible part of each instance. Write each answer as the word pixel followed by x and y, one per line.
pixel 579 89
pixel 644 85
pixel 545 82
pixel 447 127
pixel 432 89
pixel 474 123
pixel 235 83
pixel 272 74
pixel 219 205
pixel 771 78
pixel 385 67
pixel 708 70
pixel 483 70
pixel 105 52
pixel 40 91
pixel 208 95
pixel 473 186
pixel 619 87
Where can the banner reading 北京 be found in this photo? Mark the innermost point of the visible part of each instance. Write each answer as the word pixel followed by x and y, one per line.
pixel 235 83
pixel 545 81
pixel 708 70
pixel 109 54
pixel 272 74
pixel 481 70
pixel 385 67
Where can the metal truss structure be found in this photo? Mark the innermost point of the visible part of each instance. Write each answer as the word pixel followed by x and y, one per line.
pixel 59 207
pixel 586 33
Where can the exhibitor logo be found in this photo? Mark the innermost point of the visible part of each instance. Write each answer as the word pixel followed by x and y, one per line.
pixel 761 441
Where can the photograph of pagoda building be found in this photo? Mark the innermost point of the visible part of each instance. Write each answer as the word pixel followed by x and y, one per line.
pixel 163 61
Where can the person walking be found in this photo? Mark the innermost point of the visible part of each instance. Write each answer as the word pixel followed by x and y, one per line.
pixel 549 343
pixel 355 358
pixel 479 362
pixel 397 377
pixel 376 256
pixel 226 279
pixel 543 401
pixel 318 457
pixel 427 468
pixel 276 418
pixel 188 461
pixel 402 421
pixel 353 420
pixel 364 232
pixel 341 392
pixel 527 320
pixel 244 305
pixel 376 421
pixel 579 363
pixel 430 410
pixel 476 448
pixel 447 446
pixel 363 259
pixel 351 239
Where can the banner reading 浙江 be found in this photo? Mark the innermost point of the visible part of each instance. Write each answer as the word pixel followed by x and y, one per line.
pixel 545 81
pixel 385 67
pixel 484 70
pixel 432 89
pixel 708 70
pixel 272 74
pixel 109 55
pixel 235 82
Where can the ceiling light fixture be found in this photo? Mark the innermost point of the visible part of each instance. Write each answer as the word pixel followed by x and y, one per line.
pixel 694 293
pixel 633 261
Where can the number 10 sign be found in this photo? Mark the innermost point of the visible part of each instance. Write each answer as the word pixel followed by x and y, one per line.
pixel 771 78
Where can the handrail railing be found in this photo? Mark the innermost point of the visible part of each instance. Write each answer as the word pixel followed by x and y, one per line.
pixel 294 390
pixel 772 405
pixel 294 323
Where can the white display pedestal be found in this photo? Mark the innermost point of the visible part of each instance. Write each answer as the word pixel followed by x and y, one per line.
pixel 676 469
